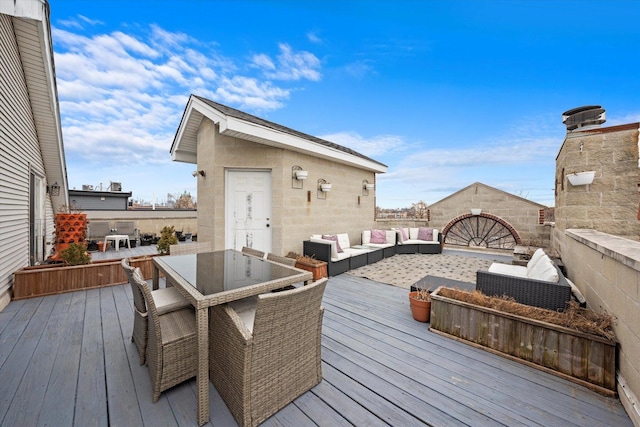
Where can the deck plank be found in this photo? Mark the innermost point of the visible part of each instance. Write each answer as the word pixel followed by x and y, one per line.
pixel 69 360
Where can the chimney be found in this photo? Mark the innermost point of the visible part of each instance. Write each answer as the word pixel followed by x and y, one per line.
pixel 583 118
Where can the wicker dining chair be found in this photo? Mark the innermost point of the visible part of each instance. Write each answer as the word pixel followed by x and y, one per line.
pixel 260 366
pixel 291 262
pixel 165 299
pixel 190 248
pixel 252 252
pixel 172 348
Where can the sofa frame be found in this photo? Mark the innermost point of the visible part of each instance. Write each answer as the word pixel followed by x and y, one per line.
pixel 537 293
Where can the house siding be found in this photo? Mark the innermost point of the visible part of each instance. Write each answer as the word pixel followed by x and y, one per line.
pixel 296 213
pixel 19 155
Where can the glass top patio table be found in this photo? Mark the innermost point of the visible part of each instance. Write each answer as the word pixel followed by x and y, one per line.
pixel 224 271
pixel 211 278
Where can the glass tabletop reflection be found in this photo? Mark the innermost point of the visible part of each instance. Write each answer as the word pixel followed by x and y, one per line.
pixel 220 271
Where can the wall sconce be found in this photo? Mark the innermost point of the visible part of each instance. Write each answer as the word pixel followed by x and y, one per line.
pixel 200 172
pixel 366 186
pixel 298 175
pixel 53 189
pixel 323 188
pixel 476 211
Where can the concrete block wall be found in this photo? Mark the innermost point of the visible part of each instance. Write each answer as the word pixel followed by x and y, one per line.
pixel 611 203
pixel 296 213
pixel 522 214
pixel 606 269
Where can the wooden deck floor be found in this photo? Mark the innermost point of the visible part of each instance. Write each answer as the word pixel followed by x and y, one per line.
pixel 68 360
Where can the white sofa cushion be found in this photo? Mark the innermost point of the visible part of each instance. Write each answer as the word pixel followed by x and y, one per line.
pixel 343 239
pixel 508 269
pixel 537 256
pixel 545 270
pixel 413 237
pixel 390 237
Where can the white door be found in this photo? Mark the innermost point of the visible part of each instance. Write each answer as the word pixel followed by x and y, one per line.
pixel 248 210
pixel 36 220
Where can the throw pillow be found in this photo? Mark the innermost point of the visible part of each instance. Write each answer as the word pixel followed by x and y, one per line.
pixel 425 233
pixel 378 236
pixel 335 239
pixel 403 233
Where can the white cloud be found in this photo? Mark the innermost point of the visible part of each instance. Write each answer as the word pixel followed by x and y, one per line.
pixel 313 37
pixel 372 147
pixel 291 65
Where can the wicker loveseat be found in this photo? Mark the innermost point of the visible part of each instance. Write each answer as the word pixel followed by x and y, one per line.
pixel 539 284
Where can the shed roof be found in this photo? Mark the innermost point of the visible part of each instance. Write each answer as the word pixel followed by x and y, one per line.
pixel 239 124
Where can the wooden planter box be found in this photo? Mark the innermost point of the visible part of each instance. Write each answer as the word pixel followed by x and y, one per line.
pixel 318 270
pixel 53 279
pixel 583 358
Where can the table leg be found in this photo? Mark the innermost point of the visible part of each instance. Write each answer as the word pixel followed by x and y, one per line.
pixel 202 325
pixel 155 278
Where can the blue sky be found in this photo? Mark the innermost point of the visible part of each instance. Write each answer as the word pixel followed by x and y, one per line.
pixel 444 93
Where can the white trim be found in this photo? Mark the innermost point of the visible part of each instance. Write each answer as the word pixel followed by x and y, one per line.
pixel 239 128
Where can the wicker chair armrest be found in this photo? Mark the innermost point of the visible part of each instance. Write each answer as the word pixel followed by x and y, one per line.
pixel 538 293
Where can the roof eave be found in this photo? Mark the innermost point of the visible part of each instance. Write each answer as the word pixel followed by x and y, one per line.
pixel 185 143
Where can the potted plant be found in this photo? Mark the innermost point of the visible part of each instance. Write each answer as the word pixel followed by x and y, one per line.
pixel 315 266
pixel 167 238
pixel 76 254
pixel 420 302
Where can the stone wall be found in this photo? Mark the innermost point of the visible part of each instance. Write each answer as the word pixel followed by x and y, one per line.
pixel 151 221
pixel 296 212
pixel 521 214
pixel 606 269
pixel 611 203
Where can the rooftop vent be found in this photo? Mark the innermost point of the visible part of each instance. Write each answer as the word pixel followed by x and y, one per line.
pixel 87 187
pixel 116 186
pixel 582 118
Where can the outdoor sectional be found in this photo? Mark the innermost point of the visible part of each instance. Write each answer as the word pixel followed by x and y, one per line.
pixel 414 245
pixel 539 284
pixel 385 244
pixel 327 250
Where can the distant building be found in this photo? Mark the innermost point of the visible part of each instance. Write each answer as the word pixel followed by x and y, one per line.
pixel 89 200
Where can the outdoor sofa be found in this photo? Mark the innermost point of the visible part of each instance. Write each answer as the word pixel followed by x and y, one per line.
pixel 540 283
pixel 418 240
pixel 336 251
pixel 382 242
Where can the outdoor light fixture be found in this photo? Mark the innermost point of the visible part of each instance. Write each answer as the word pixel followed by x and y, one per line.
pixel 298 175
pixel 196 173
pixel 366 187
pixel 323 188
pixel 54 189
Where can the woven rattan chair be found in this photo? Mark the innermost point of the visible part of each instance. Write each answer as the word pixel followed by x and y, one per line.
pixel 261 366
pixel 172 349
pixel 291 262
pixel 165 299
pixel 252 252
pixel 190 248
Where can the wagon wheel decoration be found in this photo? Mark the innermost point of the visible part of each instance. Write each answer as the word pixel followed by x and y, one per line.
pixel 484 230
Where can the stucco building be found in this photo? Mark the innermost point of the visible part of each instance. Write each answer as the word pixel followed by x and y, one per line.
pixel 248 193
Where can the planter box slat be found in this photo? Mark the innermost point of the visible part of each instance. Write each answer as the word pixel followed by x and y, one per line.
pixel 580 357
pixel 44 280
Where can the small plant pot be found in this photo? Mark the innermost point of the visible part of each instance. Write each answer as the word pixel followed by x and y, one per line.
pixel 420 309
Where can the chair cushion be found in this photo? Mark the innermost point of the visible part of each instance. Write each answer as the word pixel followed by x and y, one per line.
pixel 537 256
pixel 545 270
pixel 168 300
pixel 508 269
pixel 246 310
pixel 343 239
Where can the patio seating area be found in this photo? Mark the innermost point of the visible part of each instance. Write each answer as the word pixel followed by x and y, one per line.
pixel 68 359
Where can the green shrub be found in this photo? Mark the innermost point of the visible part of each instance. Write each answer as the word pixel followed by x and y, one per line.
pixel 167 238
pixel 76 254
